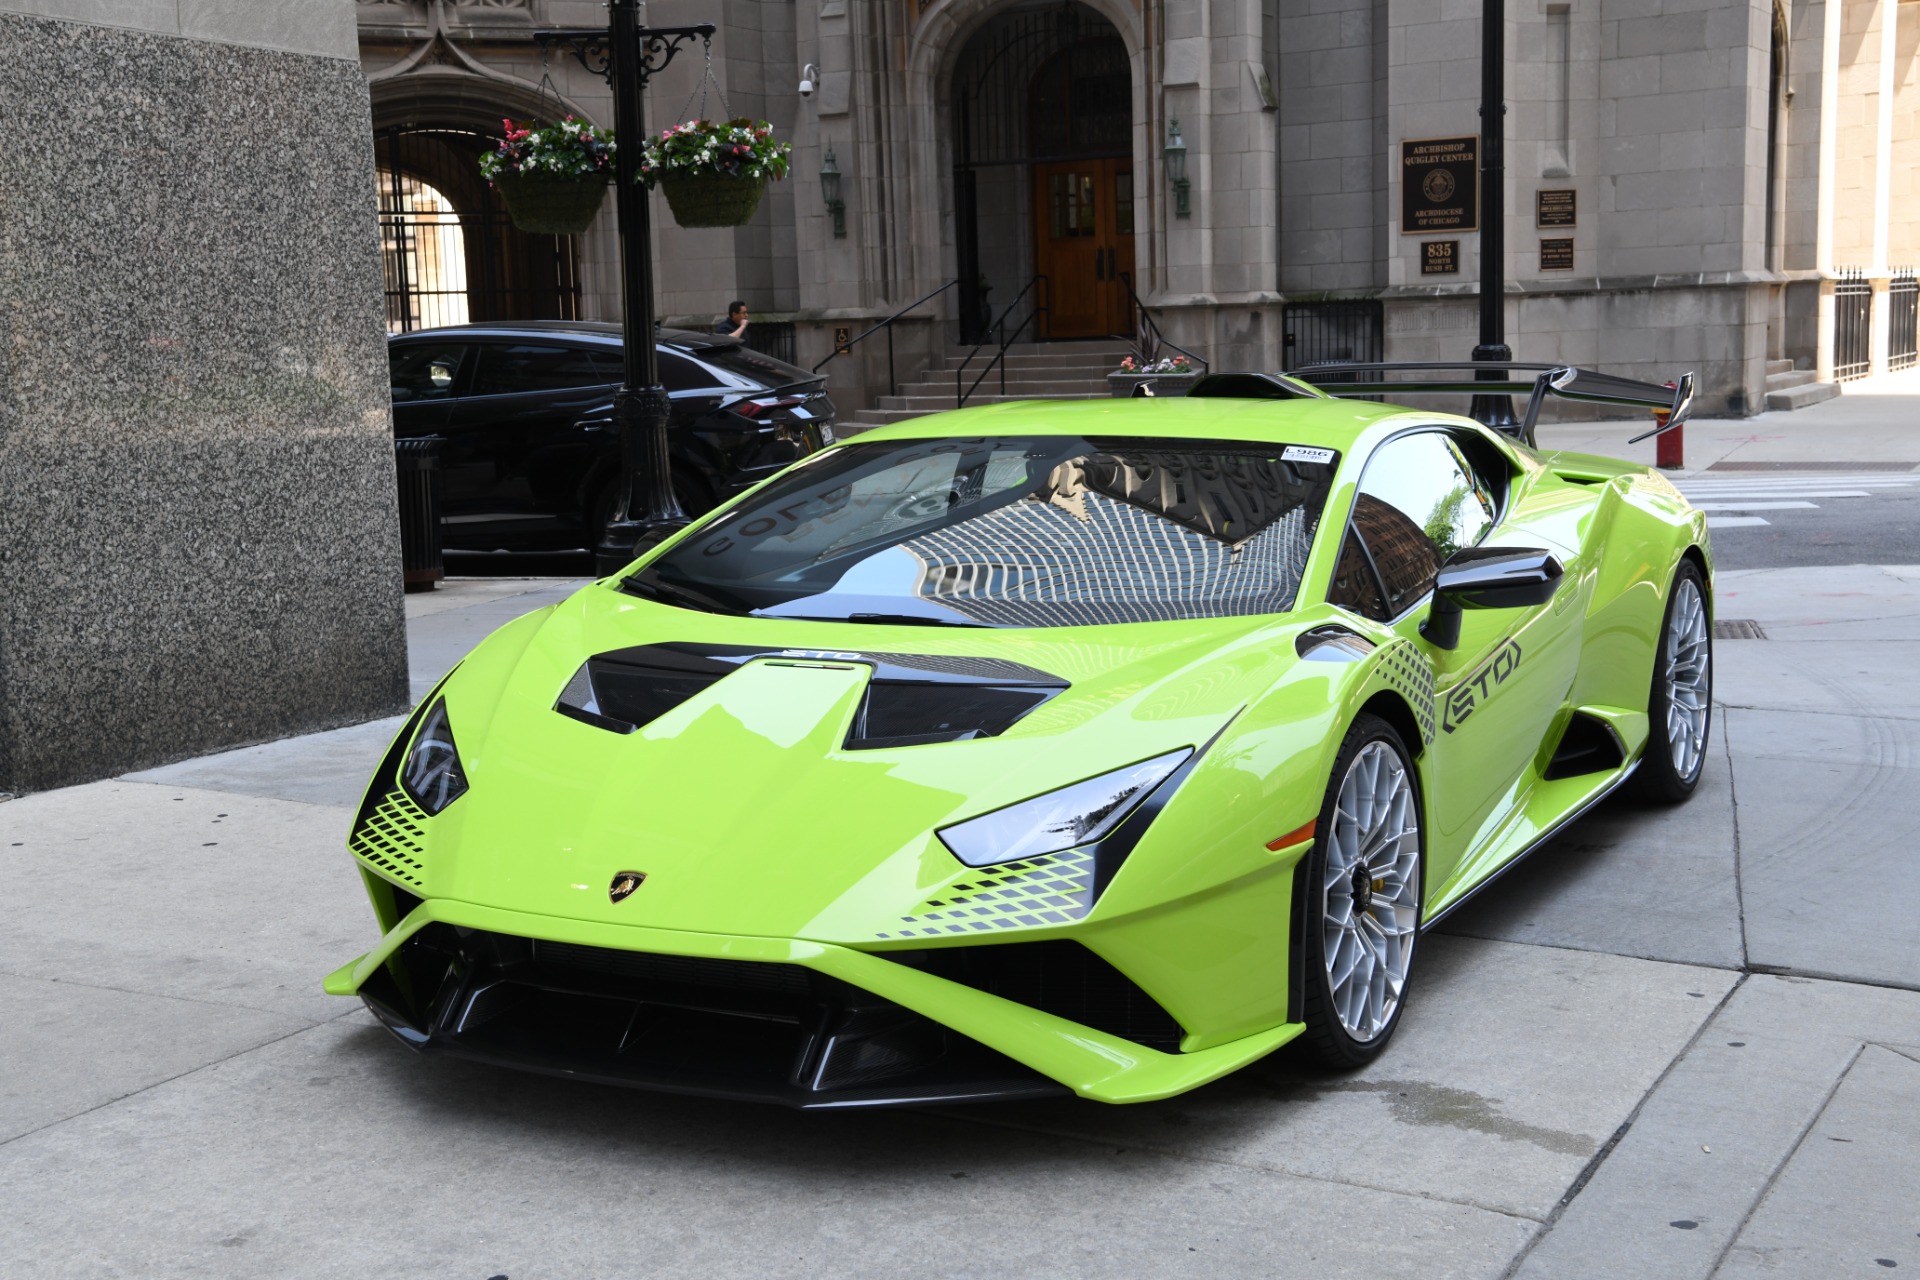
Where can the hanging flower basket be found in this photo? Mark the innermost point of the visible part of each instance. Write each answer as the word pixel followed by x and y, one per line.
pixel 553 177
pixel 551 206
pixel 714 172
pixel 712 199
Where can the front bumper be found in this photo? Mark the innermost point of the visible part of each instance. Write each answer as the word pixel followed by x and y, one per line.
pixel 806 1024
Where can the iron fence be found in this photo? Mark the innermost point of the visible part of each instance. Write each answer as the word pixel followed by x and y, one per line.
pixel 1354 329
pixel 449 251
pixel 1852 325
pixel 771 339
pixel 1348 329
pixel 1903 311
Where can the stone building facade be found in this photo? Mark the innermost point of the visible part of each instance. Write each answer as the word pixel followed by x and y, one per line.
pixel 1687 181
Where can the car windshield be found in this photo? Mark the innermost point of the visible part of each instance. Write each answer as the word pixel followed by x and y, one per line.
pixel 1038 531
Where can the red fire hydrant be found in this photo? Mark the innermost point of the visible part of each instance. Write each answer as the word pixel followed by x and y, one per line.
pixel 1668 445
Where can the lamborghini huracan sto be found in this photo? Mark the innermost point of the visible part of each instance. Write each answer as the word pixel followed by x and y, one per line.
pixel 1097 748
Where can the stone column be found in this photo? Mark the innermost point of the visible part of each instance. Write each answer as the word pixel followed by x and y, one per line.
pixel 1883 182
pixel 198 542
pixel 1828 162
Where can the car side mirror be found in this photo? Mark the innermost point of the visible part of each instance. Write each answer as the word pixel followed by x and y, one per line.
pixel 1487 578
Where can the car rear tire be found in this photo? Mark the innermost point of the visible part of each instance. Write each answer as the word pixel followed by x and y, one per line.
pixel 1365 885
pixel 1680 704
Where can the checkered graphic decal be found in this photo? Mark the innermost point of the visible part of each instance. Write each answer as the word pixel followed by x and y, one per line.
pixel 1057 889
pixel 391 841
pixel 1409 674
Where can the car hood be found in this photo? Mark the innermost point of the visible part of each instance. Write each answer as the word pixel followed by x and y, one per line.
pixel 743 805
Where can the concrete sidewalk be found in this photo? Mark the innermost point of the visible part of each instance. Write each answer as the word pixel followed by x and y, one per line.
pixel 1676 1043
pixel 1874 421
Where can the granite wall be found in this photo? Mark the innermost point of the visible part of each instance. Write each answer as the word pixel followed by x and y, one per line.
pixel 198 540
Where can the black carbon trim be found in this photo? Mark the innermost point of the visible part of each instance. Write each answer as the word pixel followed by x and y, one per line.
pixel 1110 854
pixel 750 1030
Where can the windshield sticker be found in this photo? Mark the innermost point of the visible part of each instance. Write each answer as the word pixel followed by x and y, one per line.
pixel 1300 453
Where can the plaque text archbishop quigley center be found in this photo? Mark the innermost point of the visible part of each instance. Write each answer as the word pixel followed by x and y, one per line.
pixel 1439 185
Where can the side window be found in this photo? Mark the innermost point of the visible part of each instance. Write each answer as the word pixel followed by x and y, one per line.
pixel 1491 472
pixel 424 370
pixel 677 373
pixel 1419 503
pixel 1354 586
pixel 506 368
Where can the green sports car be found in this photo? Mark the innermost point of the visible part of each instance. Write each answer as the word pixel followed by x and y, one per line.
pixel 1098 747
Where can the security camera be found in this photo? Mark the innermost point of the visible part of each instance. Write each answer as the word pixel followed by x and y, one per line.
pixel 807 76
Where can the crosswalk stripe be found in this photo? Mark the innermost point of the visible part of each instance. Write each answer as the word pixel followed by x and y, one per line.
pixel 1851 482
pixel 1756 506
pixel 1734 522
pixel 1734 494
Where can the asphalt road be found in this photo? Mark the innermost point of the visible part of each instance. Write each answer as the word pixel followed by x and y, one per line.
pixel 1803 519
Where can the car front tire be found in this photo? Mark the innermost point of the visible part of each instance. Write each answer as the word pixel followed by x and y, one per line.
pixel 1365 886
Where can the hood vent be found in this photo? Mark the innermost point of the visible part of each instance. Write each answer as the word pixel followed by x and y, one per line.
pixel 911 700
pixel 621 696
pixel 909 713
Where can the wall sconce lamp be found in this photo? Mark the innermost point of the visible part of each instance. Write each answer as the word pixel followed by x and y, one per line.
pixel 1177 169
pixel 830 192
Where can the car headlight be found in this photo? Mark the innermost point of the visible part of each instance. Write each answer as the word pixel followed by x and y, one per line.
pixel 431 773
pixel 1059 820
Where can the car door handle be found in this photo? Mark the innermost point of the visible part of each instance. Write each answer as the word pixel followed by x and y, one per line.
pixel 594 426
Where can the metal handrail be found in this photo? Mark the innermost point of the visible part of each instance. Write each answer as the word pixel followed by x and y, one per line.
pixel 1041 308
pixel 893 379
pixel 1146 317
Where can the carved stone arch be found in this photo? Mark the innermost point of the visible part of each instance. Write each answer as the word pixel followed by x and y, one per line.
pixel 934 47
pixel 454 98
pixel 431 123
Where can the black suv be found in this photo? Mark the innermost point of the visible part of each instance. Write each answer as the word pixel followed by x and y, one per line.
pixel 531 456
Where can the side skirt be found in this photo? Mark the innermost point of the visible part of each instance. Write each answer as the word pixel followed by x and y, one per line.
pixel 1545 836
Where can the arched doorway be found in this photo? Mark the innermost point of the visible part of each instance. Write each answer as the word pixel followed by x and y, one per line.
pixel 1043 167
pixel 449 250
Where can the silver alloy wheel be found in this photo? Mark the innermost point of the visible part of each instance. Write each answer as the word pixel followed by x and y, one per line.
pixel 1688 658
pixel 1370 896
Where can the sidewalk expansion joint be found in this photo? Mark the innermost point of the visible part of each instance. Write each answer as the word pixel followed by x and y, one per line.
pixel 1592 1166
pixel 1773 1175
pixel 1793 974
pixel 178 1075
pixel 162 995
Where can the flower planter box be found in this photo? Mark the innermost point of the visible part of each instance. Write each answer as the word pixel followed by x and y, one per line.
pixel 1162 384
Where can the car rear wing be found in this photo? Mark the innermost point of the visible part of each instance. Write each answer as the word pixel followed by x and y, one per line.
pixel 1463 377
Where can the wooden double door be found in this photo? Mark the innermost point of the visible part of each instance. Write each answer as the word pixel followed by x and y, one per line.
pixel 1083 242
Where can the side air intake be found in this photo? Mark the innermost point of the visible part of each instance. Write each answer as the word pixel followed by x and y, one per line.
pixel 1587 746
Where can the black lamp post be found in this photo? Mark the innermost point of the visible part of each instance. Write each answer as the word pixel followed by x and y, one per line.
pixel 627 55
pixel 1495 411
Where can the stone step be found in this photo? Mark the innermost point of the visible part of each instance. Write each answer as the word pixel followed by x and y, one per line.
pixel 1801 396
pixel 1788 379
pixel 985 358
pixel 1019 388
pixel 1779 366
pixel 939 403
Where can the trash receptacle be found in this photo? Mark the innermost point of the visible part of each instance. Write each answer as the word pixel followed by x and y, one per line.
pixel 418 461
